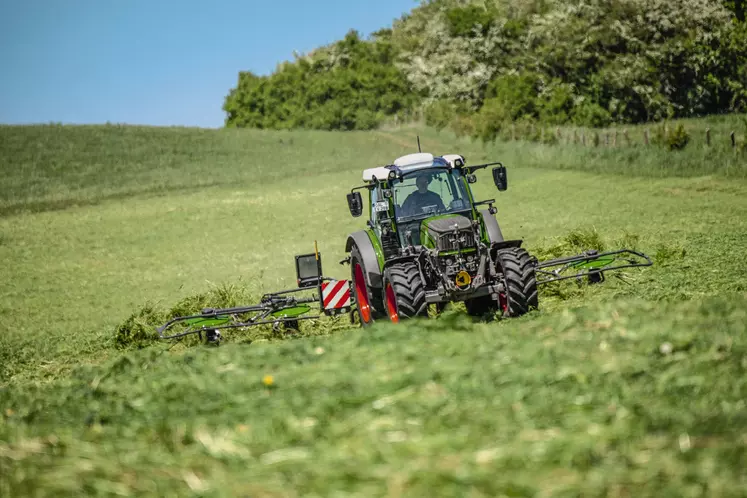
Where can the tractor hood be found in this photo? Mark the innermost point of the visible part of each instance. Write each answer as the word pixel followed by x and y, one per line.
pixel 437 232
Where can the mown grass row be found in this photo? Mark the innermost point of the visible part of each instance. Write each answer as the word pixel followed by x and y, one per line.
pixel 623 398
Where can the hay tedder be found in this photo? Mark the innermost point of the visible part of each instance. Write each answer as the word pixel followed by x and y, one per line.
pixel 427 242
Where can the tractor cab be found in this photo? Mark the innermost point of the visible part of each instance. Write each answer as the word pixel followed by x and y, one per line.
pixel 418 198
pixel 427 193
pixel 416 188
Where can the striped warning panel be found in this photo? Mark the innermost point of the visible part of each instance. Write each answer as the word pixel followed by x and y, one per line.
pixel 336 294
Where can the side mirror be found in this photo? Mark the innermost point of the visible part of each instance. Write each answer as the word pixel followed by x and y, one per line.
pixel 499 177
pixel 471 178
pixel 355 204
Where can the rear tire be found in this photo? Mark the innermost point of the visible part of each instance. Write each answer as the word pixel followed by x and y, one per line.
pixel 367 299
pixel 404 292
pixel 519 280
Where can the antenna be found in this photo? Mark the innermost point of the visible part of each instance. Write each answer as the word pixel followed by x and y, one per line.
pixel 419 144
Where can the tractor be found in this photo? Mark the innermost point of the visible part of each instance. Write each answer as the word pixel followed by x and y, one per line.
pixel 428 241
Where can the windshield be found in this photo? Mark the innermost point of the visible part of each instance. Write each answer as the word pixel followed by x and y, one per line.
pixel 430 192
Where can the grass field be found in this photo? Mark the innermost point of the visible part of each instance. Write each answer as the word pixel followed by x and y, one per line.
pixel 633 388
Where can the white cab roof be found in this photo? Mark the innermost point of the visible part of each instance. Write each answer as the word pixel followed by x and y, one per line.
pixel 380 173
pixel 421 158
pixel 408 163
pixel 453 157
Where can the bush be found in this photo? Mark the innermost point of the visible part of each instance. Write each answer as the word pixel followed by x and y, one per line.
pixel 464 125
pixel 491 119
pixel 556 104
pixel 676 139
pixel 515 95
pixel 439 114
pixel 591 115
pixel 350 85
pixel 466 21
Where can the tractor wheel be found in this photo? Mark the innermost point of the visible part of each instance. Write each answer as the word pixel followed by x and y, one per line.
pixel 367 299
pixel 519 280
pixel 404 292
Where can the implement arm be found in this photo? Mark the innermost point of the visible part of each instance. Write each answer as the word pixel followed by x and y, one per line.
pixel 590 264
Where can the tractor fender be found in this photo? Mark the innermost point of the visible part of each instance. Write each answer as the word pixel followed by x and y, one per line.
pixel 362 241
pixel 505 244
pixel 491 225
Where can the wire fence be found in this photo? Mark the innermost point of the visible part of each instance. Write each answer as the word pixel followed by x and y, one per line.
pixel 626 138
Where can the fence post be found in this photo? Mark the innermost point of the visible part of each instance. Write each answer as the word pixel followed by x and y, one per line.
pixel 606 139
pixel 513 131
pixel 575 137
pixel 645 136
pixel 708 137
pixel 627 138
pixel 583 139
pixel 733 140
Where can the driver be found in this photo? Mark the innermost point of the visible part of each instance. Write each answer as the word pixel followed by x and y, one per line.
pixel 422 197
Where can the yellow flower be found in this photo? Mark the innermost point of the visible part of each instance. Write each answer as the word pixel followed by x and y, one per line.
pixel 268 380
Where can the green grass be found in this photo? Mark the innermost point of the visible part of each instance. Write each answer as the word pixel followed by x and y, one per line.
pixel 632 388
pixel 622 399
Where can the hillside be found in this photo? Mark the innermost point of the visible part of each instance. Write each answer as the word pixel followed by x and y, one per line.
pixel 635 387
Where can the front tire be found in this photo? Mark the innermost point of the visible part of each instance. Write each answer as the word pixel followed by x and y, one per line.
pixel 404 292
pixel 519 281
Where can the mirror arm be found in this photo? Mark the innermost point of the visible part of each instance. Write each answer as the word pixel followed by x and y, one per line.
pixel 360 187
pixel 472 169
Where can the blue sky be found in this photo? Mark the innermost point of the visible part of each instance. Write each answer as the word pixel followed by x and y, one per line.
pixel 157 62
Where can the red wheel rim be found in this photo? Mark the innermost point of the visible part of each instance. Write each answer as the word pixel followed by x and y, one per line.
pixel 391 304
pixel 503 301
pixel 361 296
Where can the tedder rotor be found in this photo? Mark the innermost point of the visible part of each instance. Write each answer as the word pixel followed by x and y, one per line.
pixel 283 308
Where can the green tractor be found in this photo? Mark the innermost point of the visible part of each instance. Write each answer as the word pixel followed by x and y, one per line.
pixel 429 242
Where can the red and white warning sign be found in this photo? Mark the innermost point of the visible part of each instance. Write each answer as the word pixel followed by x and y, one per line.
pixel 336 294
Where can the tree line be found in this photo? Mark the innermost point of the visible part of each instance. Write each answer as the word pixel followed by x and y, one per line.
pixel 480 67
